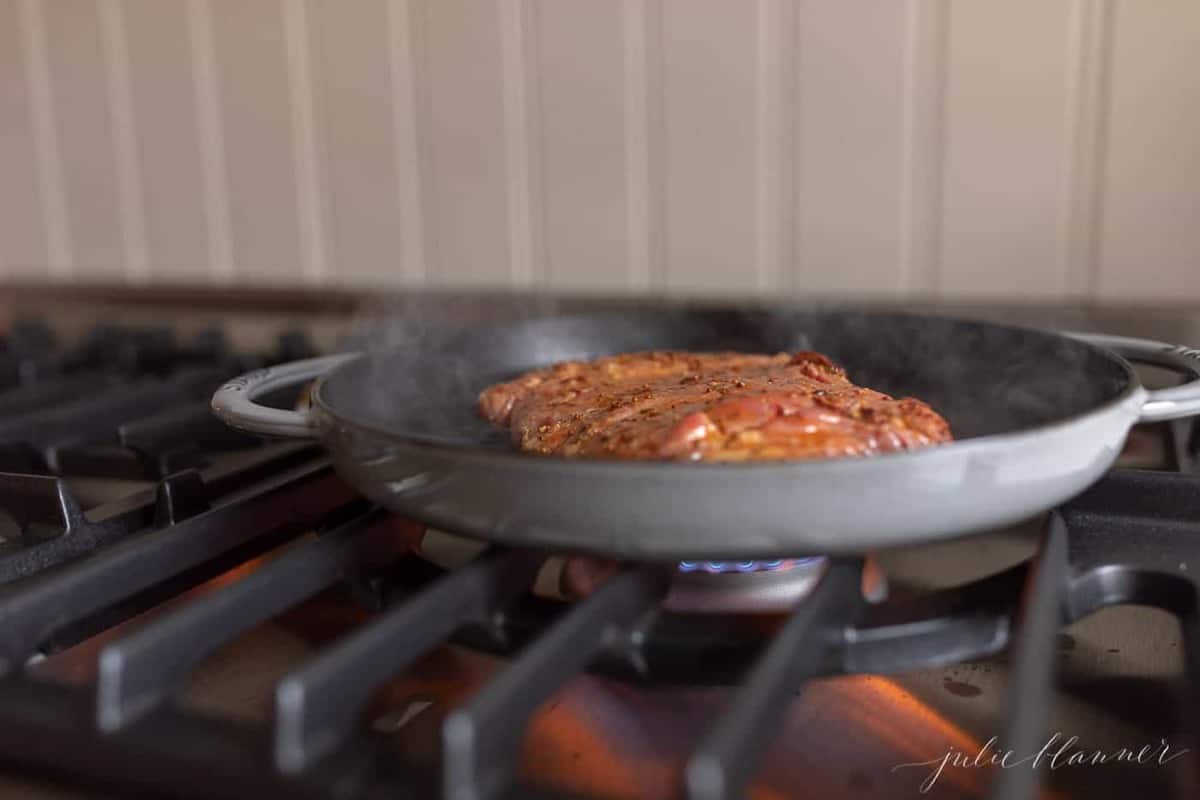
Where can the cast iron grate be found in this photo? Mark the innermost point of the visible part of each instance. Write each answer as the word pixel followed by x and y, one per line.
pixel 129 401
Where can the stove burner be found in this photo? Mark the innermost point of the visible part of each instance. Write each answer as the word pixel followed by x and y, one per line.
pixel 743 586
pixel 717 567
pixel 697 586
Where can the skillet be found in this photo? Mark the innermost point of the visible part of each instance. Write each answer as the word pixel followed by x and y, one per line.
pixel 1037 417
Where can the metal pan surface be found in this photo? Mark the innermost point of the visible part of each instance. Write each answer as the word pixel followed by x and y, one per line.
pixel 1037 417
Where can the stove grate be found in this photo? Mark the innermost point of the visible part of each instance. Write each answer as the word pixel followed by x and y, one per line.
pixel 68 574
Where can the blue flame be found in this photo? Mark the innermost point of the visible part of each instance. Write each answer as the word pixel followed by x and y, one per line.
pixel 716 567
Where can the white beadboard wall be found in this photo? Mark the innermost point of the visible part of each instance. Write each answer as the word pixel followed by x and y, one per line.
pixel 1035 148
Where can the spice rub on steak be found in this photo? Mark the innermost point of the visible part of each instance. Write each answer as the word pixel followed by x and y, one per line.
pixel 669 405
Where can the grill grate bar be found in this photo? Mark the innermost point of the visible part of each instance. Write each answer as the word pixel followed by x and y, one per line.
pixel 52 392
pixel 53 528
pixel 722 764
pixel 199 382
pixel 176 754
pixel 31 610
pixel 930 630
pixel 1133 539
pixel 317 706
pixel 22 494
pixel 41 505
pixel 92 419
pixel 104 461
pixel 170 754
pixel 137 672
pixel 480 739
pixel 179 497
pixel 1032 686
pixel 63 412
pixel 1139 495
pixel 958 623
pixel 177 429
pixel 126 404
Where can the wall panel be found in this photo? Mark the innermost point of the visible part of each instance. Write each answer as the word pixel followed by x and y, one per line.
pixel 1150 220
pixel 359 139
pixel 580 47
pixel 709 92
pixel 464 85
pixel 1034 148
pixel 162 74
pixel 83 120
pixel 1005 148
pixel 23 246
pixel 260 159
pixel 849 146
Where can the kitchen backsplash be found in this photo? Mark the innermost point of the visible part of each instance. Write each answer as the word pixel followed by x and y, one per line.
pixel 1032 148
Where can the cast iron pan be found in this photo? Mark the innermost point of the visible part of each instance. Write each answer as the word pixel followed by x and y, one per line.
pixel 1037 417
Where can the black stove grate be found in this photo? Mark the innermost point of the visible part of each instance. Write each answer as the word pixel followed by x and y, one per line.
pixel 127 404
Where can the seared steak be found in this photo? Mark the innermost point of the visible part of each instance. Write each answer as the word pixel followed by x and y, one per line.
pixel 706 406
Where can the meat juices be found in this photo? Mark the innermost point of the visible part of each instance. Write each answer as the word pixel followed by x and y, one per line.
pixel 679 406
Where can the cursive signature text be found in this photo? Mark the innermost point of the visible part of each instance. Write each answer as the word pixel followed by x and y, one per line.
pixel 1058 751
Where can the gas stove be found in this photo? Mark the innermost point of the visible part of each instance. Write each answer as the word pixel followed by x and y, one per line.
pixel 187 611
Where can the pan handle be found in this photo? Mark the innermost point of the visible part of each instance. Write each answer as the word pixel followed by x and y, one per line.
pixel 1161 404
pixel 234 401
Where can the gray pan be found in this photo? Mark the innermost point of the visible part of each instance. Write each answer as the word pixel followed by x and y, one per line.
pixel 1037 417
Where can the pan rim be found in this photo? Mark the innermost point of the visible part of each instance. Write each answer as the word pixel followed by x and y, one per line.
pixel 958 447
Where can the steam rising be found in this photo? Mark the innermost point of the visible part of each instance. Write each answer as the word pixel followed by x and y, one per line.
pixel 414 376
pixel 429 359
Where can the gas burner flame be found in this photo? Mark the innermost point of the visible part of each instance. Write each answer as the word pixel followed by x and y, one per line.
pixel 719 567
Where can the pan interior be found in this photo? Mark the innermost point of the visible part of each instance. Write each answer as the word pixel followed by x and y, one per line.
pixel 983 378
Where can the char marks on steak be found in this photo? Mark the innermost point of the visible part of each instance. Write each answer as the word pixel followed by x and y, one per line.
pixel 669 405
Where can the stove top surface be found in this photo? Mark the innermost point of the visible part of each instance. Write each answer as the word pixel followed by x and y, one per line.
pixel 175 646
